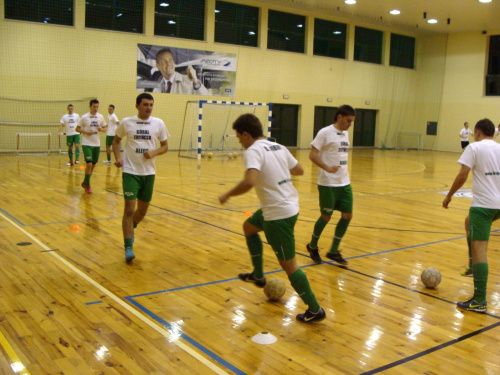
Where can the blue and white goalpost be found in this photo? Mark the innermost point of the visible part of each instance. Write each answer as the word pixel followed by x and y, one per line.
pixel 207 128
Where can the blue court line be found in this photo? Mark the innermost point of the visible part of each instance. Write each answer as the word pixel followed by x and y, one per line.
pixel 431 350
pixel 93 303
pixel 11 217
pixel 193 342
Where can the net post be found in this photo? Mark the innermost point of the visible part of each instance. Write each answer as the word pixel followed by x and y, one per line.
pixel 200 117
pixel 269 120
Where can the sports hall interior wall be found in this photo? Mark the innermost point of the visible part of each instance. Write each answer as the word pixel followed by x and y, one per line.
pixel 447 85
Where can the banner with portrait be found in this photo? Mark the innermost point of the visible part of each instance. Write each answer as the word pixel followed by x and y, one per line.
pixel 185 71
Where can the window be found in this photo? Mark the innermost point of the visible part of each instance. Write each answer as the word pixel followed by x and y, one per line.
pixel 236 24
pixel 368 45
pixel 402 51
pixel 329 38
pixel 493 76
pixel 286 32
pixel 180 18
pixel 59 12
pixel 124 15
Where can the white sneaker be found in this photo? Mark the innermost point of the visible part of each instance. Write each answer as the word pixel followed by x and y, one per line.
pixel 69 164
pixel 77 162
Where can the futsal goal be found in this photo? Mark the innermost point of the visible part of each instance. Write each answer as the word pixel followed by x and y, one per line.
pixel 408 140
pixel 207 128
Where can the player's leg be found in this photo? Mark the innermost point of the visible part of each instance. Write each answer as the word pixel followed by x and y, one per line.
pixel 344 202
pixel 87 153
pixel 251 228
pixel 144 196
pixel 468 269
pixel 326 204
pixel 69 143
pixel 131 185
pixel 109 142
pixel 76 139
pixel 280 235
pixel 96 151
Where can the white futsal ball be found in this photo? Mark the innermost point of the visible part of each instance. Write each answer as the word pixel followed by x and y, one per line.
pixel 275 289
pixel 431 277
pixel 230 155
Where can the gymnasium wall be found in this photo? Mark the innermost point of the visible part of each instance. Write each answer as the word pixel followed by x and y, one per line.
pixel 66 63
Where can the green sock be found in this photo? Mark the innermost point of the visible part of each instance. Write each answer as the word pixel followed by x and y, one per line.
pixel 318 229
pixel 300 283
pixel 86 180
pixel 339 233
pixel 469 245
pixel 128 242
pixel 77 154
pixel 254 244
pixel 109 157
pixel 480 272
pixel 70 154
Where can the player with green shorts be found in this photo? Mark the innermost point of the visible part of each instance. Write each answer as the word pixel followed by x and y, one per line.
pixel 111 129
pixel 482 158
pixel 68 123
pixel 269 167
pixel 142 132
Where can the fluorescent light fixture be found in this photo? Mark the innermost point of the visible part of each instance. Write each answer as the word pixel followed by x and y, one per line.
pixel 164 4
pixel 171 22
pixel 432 20
pixel 485 1
pixel 395 12
pixel 350 2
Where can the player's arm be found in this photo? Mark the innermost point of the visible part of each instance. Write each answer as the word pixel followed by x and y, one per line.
pixel 460 180
pixel 249 181
pixel 81 131
pixel 314 157
pixel 102 126
pixel 297 170
pixel 159 151
pixel 61 127
pixel 116 150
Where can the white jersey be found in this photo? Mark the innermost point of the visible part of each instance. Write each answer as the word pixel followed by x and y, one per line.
pixel 91 123
pixel 333 146
pixel 278 198
pixel 142 135
pixel 483 158
pixel 112 124
pixel 70 122
pixel 464 134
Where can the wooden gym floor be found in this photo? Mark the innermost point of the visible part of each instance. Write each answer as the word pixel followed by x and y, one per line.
pixel 69 304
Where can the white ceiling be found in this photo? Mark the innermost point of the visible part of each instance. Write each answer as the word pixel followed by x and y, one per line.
pixel 464 15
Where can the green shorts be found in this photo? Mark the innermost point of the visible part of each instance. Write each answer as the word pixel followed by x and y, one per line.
pixel 138 187
pixel 72 139
pixel 91 153
pixel 279 234
pixel 480 220
pixel 109 140
pixel 333 198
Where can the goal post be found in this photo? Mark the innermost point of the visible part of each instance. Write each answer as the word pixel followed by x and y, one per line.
pixel 32 143
pixel 207 127
pixel 408 140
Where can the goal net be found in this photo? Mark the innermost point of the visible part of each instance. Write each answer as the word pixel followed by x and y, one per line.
pixel 32 126
pixel 408 140
pixel 207 129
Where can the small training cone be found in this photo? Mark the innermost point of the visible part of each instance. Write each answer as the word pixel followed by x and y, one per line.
pixel 264 338
pixel 82 167
pixel 75 228
pixel 247 214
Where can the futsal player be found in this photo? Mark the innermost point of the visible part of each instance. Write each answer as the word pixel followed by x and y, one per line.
pixel 89 126
pixel 269 167
pixel 329 152
pixel 138 177
pixel 482 158
pixel 69 122
pixel 111 129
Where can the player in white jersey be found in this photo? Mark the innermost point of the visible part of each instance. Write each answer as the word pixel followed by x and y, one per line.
pixel 329 152
pixel 464 135
pixel 111 129
pixel 269 167
pixel 68 124
pixel 142 132
pixel 89 126
pixel 482 158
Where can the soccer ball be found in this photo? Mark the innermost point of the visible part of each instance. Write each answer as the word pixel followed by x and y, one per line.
pixel 275 289
pixel 230 155
pixel 209 155
pixel 431 277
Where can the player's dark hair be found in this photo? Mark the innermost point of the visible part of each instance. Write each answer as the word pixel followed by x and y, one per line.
pixel 344 110
pixel 248 123
pixel 162 51
pixel 486 126
pixel 466 123
pixel 70 105
pixel 144 95
pixel 112 106
pixel 93 101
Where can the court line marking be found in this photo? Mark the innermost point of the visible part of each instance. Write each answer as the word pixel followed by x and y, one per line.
pixel 123 304
pixel 16 362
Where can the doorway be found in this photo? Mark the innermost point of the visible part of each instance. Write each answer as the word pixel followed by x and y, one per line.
pixel 284 124
pixel 364 128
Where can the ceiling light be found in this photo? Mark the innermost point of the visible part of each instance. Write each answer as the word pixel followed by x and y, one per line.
pixel 485 1
pixel 164 4
pixel 217 11
pixel 432 20
pixel 251 33
pixel 337 32
pixel 299 25
pixel 119 15
pixel 350 2
pixel 394 11
pixel 171 22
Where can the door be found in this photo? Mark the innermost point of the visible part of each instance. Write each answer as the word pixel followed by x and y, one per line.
pixel 323 116
pixel 284 124
pixel 364 128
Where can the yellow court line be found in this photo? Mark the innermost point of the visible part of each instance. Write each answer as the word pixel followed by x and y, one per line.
pixel 16 365
pixel 126 306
